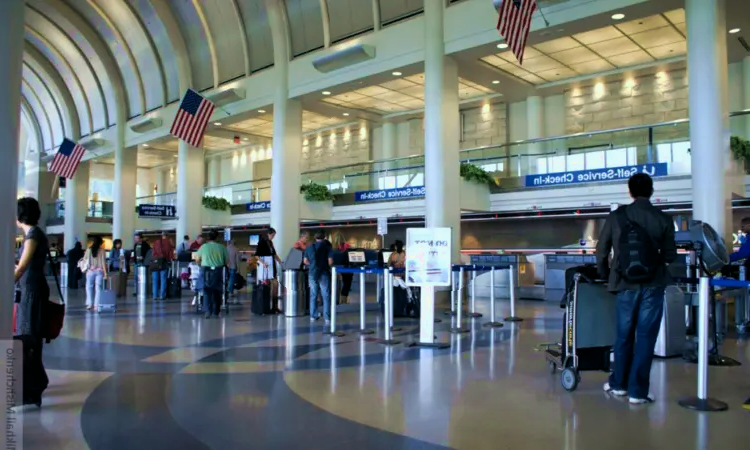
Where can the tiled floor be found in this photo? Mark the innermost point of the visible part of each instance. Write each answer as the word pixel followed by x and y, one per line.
pixel 159 376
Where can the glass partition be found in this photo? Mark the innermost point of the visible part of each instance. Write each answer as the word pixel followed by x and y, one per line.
pixel 244 192
pixel 167 198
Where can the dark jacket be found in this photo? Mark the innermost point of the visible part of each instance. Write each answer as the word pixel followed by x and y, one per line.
pixel 143 257
pixel 127 262
pixel 657 224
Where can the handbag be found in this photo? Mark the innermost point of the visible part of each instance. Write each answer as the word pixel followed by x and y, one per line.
pixel 84 264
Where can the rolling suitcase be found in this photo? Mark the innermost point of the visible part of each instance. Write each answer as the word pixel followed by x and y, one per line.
pixel 261 296
pixel 107 299
pixel 174 284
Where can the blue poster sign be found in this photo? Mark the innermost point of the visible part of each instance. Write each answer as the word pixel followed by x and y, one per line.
pixel 595 175
pixel 157 211
pixel 257 206
pixel 389 194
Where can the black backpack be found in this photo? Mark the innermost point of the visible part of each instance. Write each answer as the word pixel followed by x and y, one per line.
pixel 638 255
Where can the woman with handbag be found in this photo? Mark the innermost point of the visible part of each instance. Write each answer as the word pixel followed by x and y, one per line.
pixel 94 265
pixel 267 259
pixel 34 293
pixel 119 267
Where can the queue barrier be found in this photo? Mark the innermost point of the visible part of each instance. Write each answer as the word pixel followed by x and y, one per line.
pixel 701 401
pixel 362 271
pixel 457 288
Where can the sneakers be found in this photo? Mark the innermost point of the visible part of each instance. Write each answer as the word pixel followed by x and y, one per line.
pixel 616 392
pixel 641 401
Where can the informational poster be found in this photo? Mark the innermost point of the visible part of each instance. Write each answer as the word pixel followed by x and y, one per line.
pixel 428 257
pixel 382 226
pixel 157 211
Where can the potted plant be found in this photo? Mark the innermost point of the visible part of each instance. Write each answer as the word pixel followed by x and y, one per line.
pixel 475 188
pixel 216 211
pixel 740 151
pixel 316 202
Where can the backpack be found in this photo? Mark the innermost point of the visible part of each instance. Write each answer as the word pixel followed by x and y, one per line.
pixel 638 255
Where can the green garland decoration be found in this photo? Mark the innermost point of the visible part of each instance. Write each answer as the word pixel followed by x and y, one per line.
pixel 216 203
pixel 476 174
pixel 315 192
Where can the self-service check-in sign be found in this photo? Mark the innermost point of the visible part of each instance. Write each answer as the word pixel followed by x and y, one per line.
pixel 157 211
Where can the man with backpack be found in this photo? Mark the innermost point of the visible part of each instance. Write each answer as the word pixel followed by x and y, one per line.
pixel 643 240
pixel 319 257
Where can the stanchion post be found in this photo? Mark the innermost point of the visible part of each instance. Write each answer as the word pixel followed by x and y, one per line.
pixel 701 402
pixel 459 304
pixel 512 288
pixel 362 301
pixel 474 314
pixel 334 291
pixel 492 323
pixel 452 312
pixel 388 299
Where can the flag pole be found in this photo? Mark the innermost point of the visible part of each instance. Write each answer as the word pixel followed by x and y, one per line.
pixel 546 23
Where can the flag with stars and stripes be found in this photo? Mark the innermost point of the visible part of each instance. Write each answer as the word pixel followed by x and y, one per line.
pixel 67 158
pixel 192 118
pixel 514 24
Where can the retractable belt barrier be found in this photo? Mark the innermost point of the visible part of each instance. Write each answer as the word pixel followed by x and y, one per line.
pixel 362 296
pixel 701 401
pixel 457 294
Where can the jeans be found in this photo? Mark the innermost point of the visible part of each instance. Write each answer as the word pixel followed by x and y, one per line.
pixel 230 286
pixel 320 286
pixel 94 286
pixel 212 290
pixel 639 314
pixel 156 276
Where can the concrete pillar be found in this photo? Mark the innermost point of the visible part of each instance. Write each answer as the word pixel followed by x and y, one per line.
pixel 287 139
pixel 76 207
pixel 441 123
pixel 388 140
pixel 214 172
pixel 402 139
pixel 11 49
pixel 161 180
pixel 126 178
pixel 534 130
pixel 709 117
pixel 746 85
pixel 190 174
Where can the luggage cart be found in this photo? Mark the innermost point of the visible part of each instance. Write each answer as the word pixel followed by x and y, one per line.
pixel 590 347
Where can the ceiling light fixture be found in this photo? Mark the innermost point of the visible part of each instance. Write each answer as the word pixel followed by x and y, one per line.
pixel 245 139
pixel 145 145
pixel 261 111
pixel 734 31
pixel 218 124
pixel 496 82
pixel 346 114
pixel 503 45
pixel 326 92
pixel 396 74
pixel 618 16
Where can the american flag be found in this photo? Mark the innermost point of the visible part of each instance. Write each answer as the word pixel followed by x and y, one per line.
pixel 192 118
pixel 514 24
pixel 67 158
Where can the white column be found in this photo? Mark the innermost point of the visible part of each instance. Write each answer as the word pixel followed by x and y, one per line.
pixel 11 49
pixel 76 207
pixel 214 172
pixel 388 140
pixel 126 179
pixel 534 130
pixel 441 122
pixel 287 140
pixel 190 174
pixel 161 180
pixel 709 122
pixel 746 84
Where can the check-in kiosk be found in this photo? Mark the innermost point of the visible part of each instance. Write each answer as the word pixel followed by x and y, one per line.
pixel 294 289
pixel 554 272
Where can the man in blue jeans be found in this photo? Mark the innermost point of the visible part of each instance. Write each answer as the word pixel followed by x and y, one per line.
pixel 319 258
pixel 643 241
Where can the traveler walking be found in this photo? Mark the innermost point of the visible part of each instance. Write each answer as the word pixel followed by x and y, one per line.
pixel 213 258
pixel 643 240
pixel 319 258
pixel 94 265
pixel 30 277
pixel 163 255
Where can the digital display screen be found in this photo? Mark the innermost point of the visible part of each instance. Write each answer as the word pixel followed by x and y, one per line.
pixel 356 257
pixel 386 256
pixel 254 239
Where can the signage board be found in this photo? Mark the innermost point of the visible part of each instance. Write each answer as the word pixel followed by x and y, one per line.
pixel 257 206
pixel 157 211
pixel 428 257
pixel 389 194
pixel 357 257
pixel 382 226
pixel 595 175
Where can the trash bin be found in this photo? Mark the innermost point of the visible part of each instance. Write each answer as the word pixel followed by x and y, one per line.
pixel 294 293
pixel 63 276
pixel 143 286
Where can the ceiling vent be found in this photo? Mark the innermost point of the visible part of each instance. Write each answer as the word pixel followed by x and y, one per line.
pixel 344 58
pixel 227 96
pixel 146 125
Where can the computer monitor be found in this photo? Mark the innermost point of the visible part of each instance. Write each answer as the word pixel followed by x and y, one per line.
pixel 357 257
pixel 386 256
pixel 254 239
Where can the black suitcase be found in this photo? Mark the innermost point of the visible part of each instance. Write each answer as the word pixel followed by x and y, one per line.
pixel 401 306
pixel 261 299
pixel 174 287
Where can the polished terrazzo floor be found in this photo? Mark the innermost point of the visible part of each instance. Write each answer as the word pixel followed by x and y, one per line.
pixel 158 376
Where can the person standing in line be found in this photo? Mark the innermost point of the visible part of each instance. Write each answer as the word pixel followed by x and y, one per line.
pixel 319 258
pixel 34 292
pixel 163 254
pixel 232 264
pixel 141 250
pixel 267 259
pixel 643 240
pixel 213 258
pixel 119 268
pixel 301 243
pixel 54 256
pixel 341 246
pixel 184 245
pixel 95 265
pixel 74 255
pixel 197 243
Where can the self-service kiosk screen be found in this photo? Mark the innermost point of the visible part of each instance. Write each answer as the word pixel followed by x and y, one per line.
pixel 357 257
pixel 386 256
pixel 254 239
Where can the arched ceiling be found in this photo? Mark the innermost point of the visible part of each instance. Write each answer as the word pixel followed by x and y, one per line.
pixel 89 64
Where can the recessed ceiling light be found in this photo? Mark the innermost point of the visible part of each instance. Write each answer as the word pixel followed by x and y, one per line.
pixel 218 124
pixel 245 139
pixel 326 92
pixel 396 74
pixel 145 145
pixel 503 45
pixel 734 31
pixel 496 82
pixel 618 16
pixel 346 114
pixel 261 111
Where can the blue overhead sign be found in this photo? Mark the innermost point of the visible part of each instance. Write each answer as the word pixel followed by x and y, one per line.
pixel 595 175
pixel 389 194
pixel 257 206
pixel 157 211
